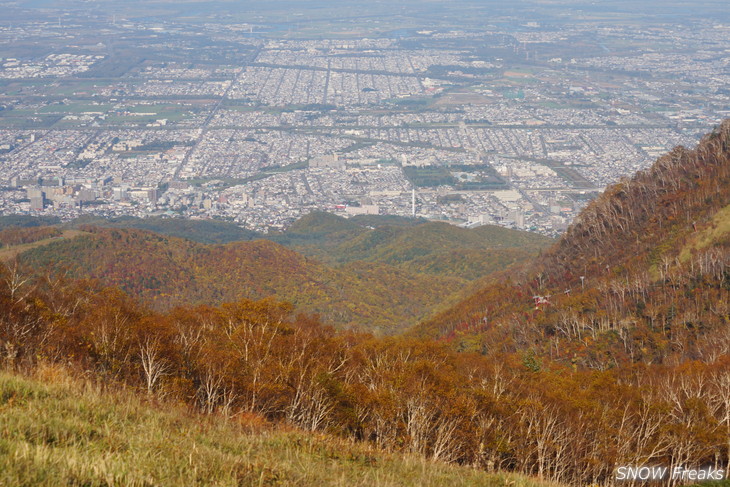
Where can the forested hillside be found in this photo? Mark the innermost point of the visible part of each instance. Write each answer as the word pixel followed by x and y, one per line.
pixel 612 349
pixel 411 243
pixel 641 276
pixel 503 411
pixel 203 231
pixel 381 279
pixel 167 272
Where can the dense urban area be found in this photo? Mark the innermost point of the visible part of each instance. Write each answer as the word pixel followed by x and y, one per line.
pixel 260 119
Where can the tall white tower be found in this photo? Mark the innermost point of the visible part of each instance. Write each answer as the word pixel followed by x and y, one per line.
pixel 413 203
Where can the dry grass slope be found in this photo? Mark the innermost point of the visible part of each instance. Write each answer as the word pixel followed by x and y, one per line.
pixel 57 430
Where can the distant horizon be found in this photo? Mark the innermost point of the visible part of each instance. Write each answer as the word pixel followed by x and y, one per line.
pixel 513 114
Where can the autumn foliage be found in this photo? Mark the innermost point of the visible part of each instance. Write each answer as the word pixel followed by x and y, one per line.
pixel 18 235
pixel 612 349
pixel 505 411
pixel 642 276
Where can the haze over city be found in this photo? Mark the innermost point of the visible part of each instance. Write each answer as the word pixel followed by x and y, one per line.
pixel 258 113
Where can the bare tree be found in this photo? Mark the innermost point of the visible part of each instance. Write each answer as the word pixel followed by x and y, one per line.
pixel 154 365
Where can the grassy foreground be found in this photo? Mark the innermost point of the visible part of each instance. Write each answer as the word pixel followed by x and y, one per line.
pixel 57 430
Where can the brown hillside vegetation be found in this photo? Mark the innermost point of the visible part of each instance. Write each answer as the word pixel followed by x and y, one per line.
pixel 168 271
pixel 377 290
pixel 18 235
pixel 514 412
pixel 60 430
pixel 654 254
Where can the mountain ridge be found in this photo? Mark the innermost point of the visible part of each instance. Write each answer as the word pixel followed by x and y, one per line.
pixel 626 245
pixel 544 372
pixel 383 296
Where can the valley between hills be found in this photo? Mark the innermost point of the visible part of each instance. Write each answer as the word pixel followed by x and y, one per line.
pixel 381 275
pixel 496 351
